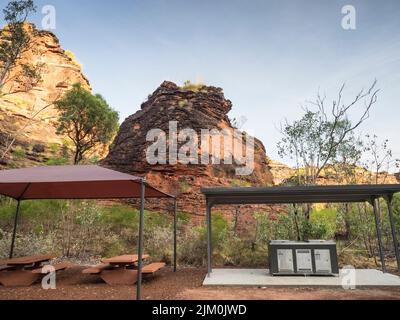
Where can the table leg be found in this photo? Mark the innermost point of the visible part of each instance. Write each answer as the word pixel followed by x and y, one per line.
pixel 120 276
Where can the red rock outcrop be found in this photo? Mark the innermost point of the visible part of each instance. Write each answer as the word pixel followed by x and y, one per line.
pixel 203 108
pixel 17 110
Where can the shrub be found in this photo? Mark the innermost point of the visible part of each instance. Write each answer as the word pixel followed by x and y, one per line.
pixel 183 219
pixel 184 186
pixel 71 55
pixel 28 244
pixel 192 247
pixel 324 222
pixel 19 152
pixel 159 244
pixel 183 103
pixel 241 252
pixel 58 161
pixel 54 148
pixel 94 160
pixel 240 183
pixel 195 87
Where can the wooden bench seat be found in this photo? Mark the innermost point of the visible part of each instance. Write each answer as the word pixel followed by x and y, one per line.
pixel 6 268
pixel 3 265
pixel 97 269
pixel 153 268
pixel 57 267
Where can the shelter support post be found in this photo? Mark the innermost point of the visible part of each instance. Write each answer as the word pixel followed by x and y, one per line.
pixel 175 231
pixel 379 232
pixel 209 239
pixel 389 201
pixel 140 244
pixel 15 229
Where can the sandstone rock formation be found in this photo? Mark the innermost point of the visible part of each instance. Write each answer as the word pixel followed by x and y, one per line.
pixel 205 108
pixel 280 171
pixel 18 111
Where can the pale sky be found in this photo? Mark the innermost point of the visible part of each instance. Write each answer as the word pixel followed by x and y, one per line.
pixel 268 56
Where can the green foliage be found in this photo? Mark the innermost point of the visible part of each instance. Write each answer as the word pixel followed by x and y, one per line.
pixel 79 229
pixel 184 186
pixel 308 141
pixel 243 253
pixel 14 41
pixel 324 223
pixel 54 148
pixel 292 226
pixel 58 161
pixel 87 231
pixel 21 103
pixel 240 183
pixel 396 209
pixel 183 103
pixel 19 152
pixel 67 143
pixel 183 218
pixel 121 216
pixel 39 210
pixel 380 158
pixel 321 137
pixel 86 119
pixel 195 87
pixel 71 55
pixel 192 244
pixel 94 160
pixel 192 247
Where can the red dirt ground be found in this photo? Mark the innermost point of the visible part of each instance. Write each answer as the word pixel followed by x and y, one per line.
pixel 186 284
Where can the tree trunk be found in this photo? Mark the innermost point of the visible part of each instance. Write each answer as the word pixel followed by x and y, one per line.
pixel 236 221
pixel 347 221
pixel 78 156
pixel 296 222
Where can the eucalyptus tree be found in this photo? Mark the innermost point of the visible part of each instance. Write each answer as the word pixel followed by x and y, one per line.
pixel 86 119
pixel 15 40
pixel 321 135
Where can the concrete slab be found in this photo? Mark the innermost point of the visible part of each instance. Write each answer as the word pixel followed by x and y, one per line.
pixel 261 277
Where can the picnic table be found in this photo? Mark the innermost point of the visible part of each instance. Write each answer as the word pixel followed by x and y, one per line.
pixel 125 260
pixel 28 262
pixel 122 270
pixel 25 271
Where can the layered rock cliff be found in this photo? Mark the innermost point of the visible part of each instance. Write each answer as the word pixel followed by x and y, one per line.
pixel 29 117
pixel 203 108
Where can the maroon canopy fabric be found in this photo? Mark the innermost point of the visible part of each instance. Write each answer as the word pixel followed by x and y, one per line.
pixel 73 182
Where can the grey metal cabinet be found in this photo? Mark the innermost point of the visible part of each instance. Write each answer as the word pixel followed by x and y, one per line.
pixel 303 258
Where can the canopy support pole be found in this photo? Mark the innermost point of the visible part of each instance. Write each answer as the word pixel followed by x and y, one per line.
pixel 379 233
pixel 140 244
pixel 209 239
pixel 389 201
pixel 15 229
pixel 175 231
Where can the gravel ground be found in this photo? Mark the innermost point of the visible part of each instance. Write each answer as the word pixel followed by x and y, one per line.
pixel 186 284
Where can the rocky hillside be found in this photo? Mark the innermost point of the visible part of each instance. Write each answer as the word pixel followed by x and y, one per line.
pixel 281 172
pixel 199 108
pixel 29 116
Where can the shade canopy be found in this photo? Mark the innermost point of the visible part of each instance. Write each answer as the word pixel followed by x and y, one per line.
pixel 306 194
pixel 302 194
pixel 73 182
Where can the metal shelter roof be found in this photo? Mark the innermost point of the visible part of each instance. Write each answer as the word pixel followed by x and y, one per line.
pixel 73 182
pixel 302 194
